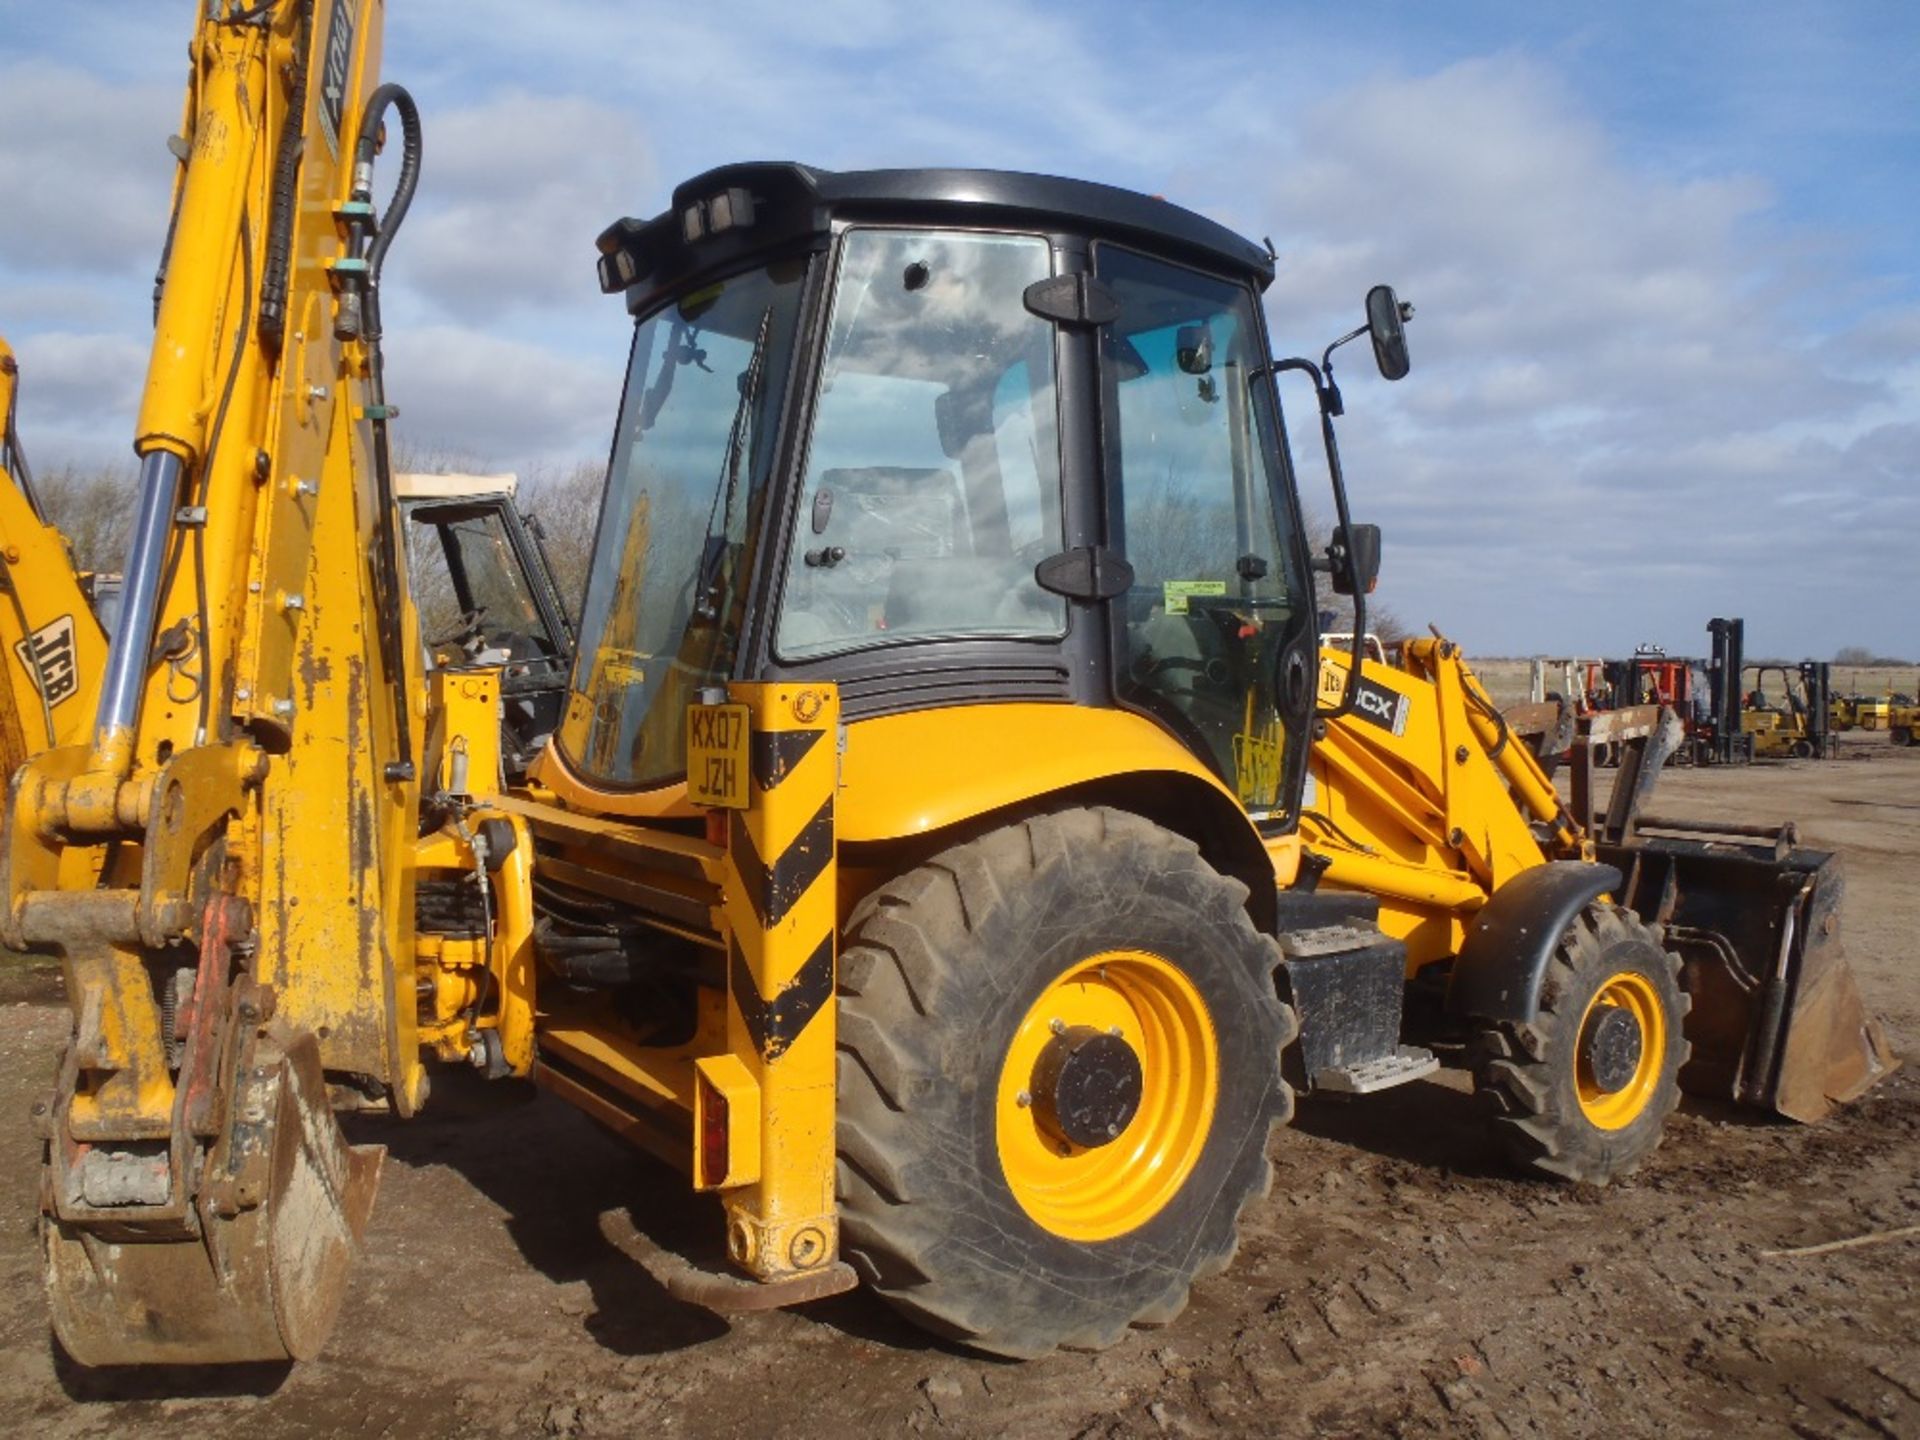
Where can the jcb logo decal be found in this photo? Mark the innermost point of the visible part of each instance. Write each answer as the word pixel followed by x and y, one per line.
pixel 49 657
pixel 334 76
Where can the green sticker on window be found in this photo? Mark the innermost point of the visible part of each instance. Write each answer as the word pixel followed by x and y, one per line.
pixel 1177 592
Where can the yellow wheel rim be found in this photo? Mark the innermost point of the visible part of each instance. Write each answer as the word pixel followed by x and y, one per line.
pixel 1616 1109
pixel 1096 1193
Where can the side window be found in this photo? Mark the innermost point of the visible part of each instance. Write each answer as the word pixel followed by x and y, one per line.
pixel 932 483
pixel 1214 604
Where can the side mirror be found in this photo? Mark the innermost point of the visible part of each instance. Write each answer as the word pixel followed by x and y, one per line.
pixel 1387 321
pixel 1193 349
pixel 1354 559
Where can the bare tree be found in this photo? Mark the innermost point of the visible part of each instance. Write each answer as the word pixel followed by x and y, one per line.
pixel 93 509
pixel 565 501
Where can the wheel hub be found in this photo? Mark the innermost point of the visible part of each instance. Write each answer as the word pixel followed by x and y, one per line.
pixel 1086 1086
pixel 1611 1048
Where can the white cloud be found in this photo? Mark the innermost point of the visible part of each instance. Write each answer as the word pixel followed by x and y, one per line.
pixel 69 385
pixel 83 168
pixel 472 393
pixel 1615 407
pixel 512 194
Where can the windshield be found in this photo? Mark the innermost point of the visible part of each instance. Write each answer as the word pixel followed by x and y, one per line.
pixel 472 592
pixel 665 590
pixel 933 483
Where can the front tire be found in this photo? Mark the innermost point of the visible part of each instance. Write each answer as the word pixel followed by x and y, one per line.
pixel 1059 1070
pixel 1584 1091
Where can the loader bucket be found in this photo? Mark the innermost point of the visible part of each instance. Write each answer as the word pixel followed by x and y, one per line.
pixel 1777 1019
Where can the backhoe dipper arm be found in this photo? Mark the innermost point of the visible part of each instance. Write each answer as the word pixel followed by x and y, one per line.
pixel 247 796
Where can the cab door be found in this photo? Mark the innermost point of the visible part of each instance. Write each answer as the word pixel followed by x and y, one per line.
pixel 1214 638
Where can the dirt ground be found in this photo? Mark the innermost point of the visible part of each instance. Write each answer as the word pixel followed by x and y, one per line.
pixel 1398 1282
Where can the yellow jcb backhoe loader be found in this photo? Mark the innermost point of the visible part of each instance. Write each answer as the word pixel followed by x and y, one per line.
pixel 53 646
pixel 917 862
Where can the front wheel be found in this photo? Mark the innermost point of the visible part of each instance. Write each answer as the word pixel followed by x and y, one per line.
pixel 1583 1092
pixel 1060 1066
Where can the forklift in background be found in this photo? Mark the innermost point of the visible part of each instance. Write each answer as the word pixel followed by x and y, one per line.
pixel 1786 710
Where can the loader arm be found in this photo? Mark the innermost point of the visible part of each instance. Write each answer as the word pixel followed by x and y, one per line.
pixel 1424 797
pixel 1419 796
pixel 52 648
pixel 246 792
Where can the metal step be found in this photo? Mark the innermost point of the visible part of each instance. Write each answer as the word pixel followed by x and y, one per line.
pixel 1409 1062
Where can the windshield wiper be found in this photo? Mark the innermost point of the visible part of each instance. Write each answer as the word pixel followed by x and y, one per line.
pixel 714 554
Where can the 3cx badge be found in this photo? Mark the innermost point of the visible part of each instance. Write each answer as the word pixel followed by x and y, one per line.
pixel 1377 705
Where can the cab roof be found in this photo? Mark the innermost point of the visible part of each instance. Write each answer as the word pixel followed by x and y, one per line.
pixel 415 485
pixel 763 205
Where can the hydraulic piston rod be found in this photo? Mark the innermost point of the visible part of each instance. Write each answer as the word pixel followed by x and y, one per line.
pixel 129 650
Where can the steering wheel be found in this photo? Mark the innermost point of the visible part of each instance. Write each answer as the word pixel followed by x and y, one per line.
pixel 467 631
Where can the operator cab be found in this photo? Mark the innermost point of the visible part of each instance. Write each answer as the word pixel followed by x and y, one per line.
pixel 487 600
pixel 946 438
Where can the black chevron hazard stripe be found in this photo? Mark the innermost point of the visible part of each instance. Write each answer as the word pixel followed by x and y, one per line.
pixel 773 754
pixel 777 1022
pixel 773 889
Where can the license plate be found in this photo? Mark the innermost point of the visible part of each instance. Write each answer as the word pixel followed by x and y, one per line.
pixel 717 756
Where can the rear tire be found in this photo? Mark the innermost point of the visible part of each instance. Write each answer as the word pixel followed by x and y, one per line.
pixel 957 1204
pixel 1556 1111
pixel 1803 749
pixel 1900 735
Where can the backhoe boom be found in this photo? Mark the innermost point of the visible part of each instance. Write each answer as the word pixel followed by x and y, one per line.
pixel 246 793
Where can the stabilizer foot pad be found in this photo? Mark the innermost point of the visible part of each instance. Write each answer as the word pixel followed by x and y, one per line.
pixel 733 1294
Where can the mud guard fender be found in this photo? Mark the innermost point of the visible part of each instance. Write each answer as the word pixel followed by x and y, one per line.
pixel 1500 968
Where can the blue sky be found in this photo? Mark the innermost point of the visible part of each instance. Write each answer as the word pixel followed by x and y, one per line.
pixel 1667 355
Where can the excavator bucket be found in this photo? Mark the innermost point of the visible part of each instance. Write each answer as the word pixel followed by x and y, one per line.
pixel 1777 1020
pixel 279 1220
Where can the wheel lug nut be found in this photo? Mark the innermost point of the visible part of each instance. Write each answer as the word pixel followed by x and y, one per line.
pixel 1023 1099
pixel 1058 1027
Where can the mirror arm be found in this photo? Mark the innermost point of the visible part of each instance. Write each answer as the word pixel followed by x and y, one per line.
pixel 1326 356
pixel 1330 406
pixel 1350 695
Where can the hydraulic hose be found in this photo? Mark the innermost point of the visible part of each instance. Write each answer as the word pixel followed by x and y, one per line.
pixel 286 194
pixel 380 234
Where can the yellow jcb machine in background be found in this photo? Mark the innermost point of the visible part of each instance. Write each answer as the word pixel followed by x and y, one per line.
pixel 51 647
pixel 1903 720
pixel 917 862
